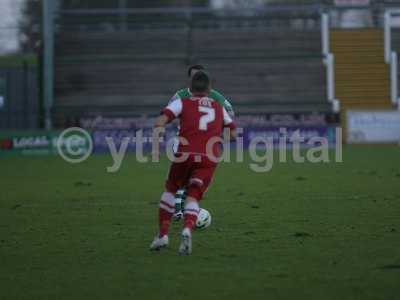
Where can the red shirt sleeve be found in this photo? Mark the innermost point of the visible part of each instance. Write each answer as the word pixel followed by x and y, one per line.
pixel 231 126
pixel 168 113
pixel 173 110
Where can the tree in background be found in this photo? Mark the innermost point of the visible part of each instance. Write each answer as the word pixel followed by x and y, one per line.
pixel 30 26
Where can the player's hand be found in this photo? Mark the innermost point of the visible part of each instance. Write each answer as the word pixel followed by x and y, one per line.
pixel 158 132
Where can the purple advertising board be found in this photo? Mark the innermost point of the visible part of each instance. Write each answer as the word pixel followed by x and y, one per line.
pixel 306 137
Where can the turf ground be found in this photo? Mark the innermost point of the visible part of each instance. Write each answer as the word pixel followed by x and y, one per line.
pixel 302 231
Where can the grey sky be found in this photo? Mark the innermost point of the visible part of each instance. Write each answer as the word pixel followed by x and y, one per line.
pixel 9 14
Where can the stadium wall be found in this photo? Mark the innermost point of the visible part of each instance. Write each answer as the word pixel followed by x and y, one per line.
pixel 19 101
pixel 120 129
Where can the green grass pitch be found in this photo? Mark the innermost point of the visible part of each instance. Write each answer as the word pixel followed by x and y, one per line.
pixel 301 231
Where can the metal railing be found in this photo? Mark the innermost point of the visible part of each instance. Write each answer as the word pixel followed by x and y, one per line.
pixel 381 16
pixel 329 62
pixel 391 56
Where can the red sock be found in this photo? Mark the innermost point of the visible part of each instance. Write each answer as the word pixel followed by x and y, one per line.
pixel 191 213
pixel 164 221
pixel 190 221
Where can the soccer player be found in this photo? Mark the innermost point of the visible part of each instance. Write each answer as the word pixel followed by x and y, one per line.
pixel 202 120
pixel 185 93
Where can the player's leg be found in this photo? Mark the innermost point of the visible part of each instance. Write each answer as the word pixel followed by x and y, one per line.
pixel 179 204
pixel 176 179
pixel 190 217
pixel 198 184
pixel 165 212
pixel 181 193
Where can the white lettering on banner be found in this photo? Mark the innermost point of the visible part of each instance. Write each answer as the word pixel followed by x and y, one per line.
pixel 373 126
pixel 351 2
pixel 30 142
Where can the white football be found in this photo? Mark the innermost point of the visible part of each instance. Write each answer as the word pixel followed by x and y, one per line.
pixel 204 219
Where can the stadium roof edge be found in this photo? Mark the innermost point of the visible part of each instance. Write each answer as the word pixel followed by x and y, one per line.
pixel 309 8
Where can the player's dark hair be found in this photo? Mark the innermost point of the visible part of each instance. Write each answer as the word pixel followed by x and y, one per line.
pixel 195 67
pixel 200 82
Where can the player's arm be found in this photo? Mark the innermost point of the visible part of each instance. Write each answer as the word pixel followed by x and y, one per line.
pixel 229 123
pixel 175 97
pixel 233 134
pixel 223 101
pixel 169 113
pixel 161 121
pixel 158 131
pixel 229 108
